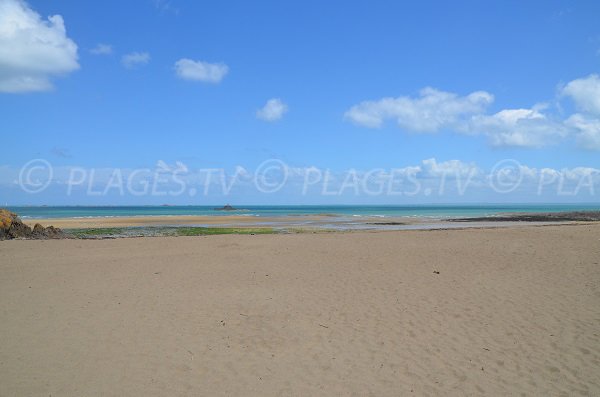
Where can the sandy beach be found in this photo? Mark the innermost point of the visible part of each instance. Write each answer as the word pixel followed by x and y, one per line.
pixel 511 311
pixel 299 198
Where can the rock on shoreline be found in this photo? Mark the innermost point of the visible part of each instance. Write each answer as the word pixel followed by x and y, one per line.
pixel 11 227
pixel 565 216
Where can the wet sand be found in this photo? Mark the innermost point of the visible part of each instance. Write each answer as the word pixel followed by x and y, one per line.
pixel 492 312
pixel 179 220
pixel 309 222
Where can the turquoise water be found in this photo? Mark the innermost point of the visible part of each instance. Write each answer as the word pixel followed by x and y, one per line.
pixel 430 211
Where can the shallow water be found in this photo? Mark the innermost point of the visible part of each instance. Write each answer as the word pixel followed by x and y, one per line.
pixel 417 211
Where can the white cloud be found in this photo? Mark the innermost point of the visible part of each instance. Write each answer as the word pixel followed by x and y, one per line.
pixel 102 49
pixel 435 110
pixel 134 59
pixel 580 172
pixel 585 92
pixel 273 110
pixel 188 69
pixel 518 127
pixel 536 127
pixel 451 168
pixel 587 130
pixel 430 112
pixel 32 50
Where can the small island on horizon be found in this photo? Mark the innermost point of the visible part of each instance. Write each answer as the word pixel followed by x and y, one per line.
pixel 226 207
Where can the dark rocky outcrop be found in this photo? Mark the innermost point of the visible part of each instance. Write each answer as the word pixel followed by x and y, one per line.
pixel 565 216
pixel 11 227
pixel 226 208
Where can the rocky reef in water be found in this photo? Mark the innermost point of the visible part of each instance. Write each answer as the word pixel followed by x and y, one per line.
pixel 564 216
pixel 226 208
pixel 12 227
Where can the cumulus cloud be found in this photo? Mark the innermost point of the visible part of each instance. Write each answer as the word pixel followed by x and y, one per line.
pixel 587 130
pixel 535 127
pixel 135 59
pixel 585 92
pixel 32 50
pixel 431 111
pixel 273 110
pixel 102 49
pixel 188 69
pixel 519 127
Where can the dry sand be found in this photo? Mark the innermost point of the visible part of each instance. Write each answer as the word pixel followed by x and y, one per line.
pixel 512 311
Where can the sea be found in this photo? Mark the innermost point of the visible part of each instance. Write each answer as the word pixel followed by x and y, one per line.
pixel 387 211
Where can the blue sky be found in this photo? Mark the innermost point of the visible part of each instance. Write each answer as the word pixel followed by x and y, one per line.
pixel 336 85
